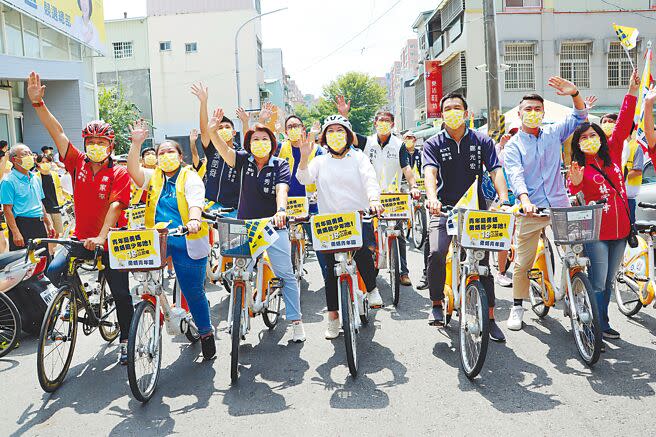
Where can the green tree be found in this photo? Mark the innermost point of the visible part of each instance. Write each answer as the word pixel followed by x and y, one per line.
pixel 115 109
pixel 367 96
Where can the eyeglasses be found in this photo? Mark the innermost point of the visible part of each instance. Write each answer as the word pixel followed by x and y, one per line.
pixel 294 126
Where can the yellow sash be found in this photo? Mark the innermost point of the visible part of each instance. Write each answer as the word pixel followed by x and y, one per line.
pixel 58 188
pixel 287 155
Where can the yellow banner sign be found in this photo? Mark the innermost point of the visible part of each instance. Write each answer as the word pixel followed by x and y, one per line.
pixel 136 218
pixel 336 231
pixel 134 249
pixel 397 205
pixel 487 230
pixel 298 207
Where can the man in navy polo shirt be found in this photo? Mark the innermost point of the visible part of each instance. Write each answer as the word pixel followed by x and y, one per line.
pixel 453 159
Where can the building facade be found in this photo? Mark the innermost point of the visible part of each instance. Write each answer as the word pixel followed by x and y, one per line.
pixel 65 66
pixel 401 89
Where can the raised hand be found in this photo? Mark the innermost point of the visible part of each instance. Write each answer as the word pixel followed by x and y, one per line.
pixel 316 127
pixel 306 143
pixel 243 116
pixel 576 173
pixel 651 96
pixel 215 120
pixel 562 86
pixel 200 91
pixel 267 112
pixel 634 83
pixel 504 139
pixel 343 107
pixel 139 132
pixel 590 101
pixel 35 90
pixel 193 136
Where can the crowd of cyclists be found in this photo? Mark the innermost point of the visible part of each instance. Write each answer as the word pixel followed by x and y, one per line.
pixel 339 170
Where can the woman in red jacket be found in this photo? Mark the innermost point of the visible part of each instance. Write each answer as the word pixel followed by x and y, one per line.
pixel 597 171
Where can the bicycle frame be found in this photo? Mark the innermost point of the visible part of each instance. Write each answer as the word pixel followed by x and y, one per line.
pixel 465 271
pixel 346 270
pixel 634 271
pixel 385 232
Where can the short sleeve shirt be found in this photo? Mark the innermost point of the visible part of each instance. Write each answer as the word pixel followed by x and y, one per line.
pixel 24 192
pixel 458 164
pixel 221 181
pixel 258 187
pixel 93 194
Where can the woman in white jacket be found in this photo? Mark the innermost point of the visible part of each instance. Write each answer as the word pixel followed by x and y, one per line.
pixel 346 182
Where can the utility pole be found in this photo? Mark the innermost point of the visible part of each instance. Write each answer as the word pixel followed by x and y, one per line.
pixel 492 74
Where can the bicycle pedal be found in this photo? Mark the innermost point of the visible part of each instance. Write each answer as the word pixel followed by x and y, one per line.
pixel 534 274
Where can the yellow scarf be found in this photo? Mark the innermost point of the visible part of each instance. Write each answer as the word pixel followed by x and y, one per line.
pixel 287 155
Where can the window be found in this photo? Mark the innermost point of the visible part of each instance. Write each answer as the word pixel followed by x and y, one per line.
pixel 258 6
pixel 455 30
pixel 31 37
pixel 75 49
pixel 451 10
pixel 191 47
pixel 13 32
pixel 122 49
pixel 454 74
pixel 259 53
pixel 521 59
pixel 523 3
pixel 619 66
pixel 165 46
pixel 54 45
pixel 575 63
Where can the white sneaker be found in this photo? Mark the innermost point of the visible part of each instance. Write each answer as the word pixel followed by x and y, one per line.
pixel 374 299
pixel 333 329
pixel 514 322
pixel 298 332
pixel 502 279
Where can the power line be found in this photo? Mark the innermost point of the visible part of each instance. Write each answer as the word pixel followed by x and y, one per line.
pixel 350 40
pixel 627 10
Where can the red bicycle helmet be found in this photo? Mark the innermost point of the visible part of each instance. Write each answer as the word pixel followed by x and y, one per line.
pixel 98 129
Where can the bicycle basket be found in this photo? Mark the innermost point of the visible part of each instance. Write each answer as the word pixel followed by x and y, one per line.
pixel 137 250
pixel 485 230
pixel 579 224
pixel 245 238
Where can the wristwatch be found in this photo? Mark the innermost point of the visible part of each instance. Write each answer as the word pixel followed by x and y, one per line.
pixel 507 203
pixel 281 209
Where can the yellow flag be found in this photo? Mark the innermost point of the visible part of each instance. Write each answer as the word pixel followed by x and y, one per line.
pixel 471 121
pixel 470 199
pixel 639 117
pixel 628 36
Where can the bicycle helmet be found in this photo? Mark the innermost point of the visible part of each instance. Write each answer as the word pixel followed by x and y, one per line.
pixel 98 129
pixel 335 119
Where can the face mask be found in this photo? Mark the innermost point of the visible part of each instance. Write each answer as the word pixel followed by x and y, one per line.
pixel 150 160
pixel 532 119
pixel 97 153
pixel 168 162
pixel 226 134
pixel 261 148
pixel 48 152
pixel 294 134
pixel 45 166
pixel 608 128
pixel 590 146
pixel 336 140
pixel 410 144
pixel 27 162
pixel 454 118
pixel 383 127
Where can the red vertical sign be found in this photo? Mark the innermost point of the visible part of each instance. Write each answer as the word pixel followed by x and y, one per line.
pixel 433 79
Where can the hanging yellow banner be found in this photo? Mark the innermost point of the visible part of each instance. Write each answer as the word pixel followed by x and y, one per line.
pixel 336 231
pixel 397 205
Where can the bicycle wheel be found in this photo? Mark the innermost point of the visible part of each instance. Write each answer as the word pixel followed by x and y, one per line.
pixel 348 325
pixel 419 228
pixel 271 314
pixel 627 295
pixel 190 330
pixel 474 329
pixel 57 340
pixel 10 325
pixel 235 332
pixel 537 302
pixel 297 263
pixel 108 328
pixel 585 326
pixel 144 351
pixel 394 273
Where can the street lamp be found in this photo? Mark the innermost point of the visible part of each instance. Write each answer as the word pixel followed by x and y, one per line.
pixel 237 49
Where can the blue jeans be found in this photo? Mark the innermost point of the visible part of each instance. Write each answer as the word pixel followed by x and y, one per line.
pixel 632 208
pixel 280 255
pixel 191 277
pixel 605 258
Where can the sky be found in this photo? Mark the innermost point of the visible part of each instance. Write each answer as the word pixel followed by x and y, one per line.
pixel 309 30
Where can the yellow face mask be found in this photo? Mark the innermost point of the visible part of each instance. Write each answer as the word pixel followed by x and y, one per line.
pixel 383 127
pixel 608 127
pixel 532 119
pixel 226 134
pixel 27 162
pixel 454 118
pixel 168 162
pixel 97 153
pixel 294 134
pixel 150 160
pixel 591 145
pixel 261 148
pixel 45 166
pixel 336 140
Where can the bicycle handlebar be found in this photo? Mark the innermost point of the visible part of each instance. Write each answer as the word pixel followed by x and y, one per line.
pixel 646 205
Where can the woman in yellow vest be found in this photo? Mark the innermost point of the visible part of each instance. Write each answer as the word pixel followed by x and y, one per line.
pixel 175 196
pixel 54 195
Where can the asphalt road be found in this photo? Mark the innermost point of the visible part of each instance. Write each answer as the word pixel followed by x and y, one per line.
pixel 410 382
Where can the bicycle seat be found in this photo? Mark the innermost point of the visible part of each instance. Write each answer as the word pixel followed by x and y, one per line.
pixel 10 257
pixel 642 225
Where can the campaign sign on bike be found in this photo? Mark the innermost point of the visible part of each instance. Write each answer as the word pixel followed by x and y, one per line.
pixel 337 232
pixel 137 218
pixel 421 186
pixel 486 230
pixel 134 249
pixel 397 205
pixel 298 207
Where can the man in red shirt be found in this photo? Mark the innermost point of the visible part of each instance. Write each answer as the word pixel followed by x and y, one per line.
pixel 101 191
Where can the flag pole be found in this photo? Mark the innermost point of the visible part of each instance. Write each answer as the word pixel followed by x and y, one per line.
pixel 628 55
